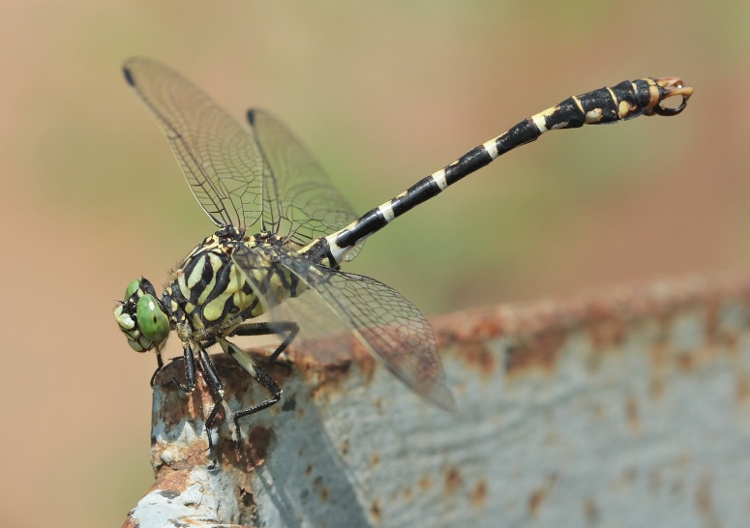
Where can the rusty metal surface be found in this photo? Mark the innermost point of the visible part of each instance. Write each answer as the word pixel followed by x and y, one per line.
pixel 628 408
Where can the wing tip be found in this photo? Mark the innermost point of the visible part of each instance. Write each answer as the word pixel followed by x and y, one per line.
pixel 442 397
pixel 128 66
pixel 251 116
pixel 128 75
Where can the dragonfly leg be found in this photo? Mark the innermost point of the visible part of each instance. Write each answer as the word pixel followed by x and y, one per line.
pixel 259 375
pixel 268 383
pixel 160 365
pixel 189 369
pixel 217 391
pixel 290 328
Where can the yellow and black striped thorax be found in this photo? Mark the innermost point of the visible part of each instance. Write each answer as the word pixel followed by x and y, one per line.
pixel 211 293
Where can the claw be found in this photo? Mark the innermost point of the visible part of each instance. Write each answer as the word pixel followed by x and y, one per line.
pixel 186 389
pixel 670 87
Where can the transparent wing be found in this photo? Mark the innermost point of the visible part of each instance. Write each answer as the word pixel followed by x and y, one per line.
pixel 387 324
pixel 221 161
pixel 302 203
pixel 390 327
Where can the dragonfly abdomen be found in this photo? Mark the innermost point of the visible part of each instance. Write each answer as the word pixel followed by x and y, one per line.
pixel 623 101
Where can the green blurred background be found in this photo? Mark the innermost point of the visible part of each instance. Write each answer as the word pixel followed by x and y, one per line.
pixel 383 93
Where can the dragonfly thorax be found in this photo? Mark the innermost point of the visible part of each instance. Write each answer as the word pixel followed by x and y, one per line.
pixel 208 290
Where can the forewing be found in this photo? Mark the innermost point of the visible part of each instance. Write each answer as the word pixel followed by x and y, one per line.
pixel 221 160
pixel 302 203
pixel 385 322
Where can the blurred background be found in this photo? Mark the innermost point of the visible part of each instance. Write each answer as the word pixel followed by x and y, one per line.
pixel 383 93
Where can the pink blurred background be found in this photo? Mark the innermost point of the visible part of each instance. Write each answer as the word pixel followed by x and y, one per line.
pixel 383 93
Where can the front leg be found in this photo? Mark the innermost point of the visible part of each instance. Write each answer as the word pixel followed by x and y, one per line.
pixel 217 391
pixel 159 366
pixel 187 351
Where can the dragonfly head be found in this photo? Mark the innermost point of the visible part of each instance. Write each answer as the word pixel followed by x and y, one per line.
pixel 142 318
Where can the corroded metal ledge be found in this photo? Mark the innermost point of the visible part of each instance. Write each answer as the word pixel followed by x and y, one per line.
pixel 627 408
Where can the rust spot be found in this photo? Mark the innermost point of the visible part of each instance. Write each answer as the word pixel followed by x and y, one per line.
pixel 258 442
pixel 659 355
pixel 539 353
pixel 538 497
pixel 321 488
pixel 631 411
pixel 425 483
pixel 452 479
pixel 712 317
pixel 364 360
pixel 407 494
pixel 308 470
pixel 172 481
pixel 704 503
pixel 467 327
pixel 375 510
pixel 607 334
pixel 656 387
pixel 479 493
pixel 374 459
pixel 742 387
pixel 685 362
pixel 479 356
pixel 536 500
pixel 590 510
pixel 325 379
pixel 345 447
pixel 328 363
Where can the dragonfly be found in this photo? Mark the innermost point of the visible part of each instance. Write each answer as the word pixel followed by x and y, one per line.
pixel 284 230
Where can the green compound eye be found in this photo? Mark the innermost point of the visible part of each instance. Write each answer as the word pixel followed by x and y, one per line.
pixel 152 321
pixel 131 289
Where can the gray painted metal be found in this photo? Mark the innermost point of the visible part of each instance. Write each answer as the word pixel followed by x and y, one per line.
pixel 626 409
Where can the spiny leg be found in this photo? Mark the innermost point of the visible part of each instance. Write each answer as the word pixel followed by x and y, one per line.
pixel 273 390
pixel 160 365
pixel 217 391
pixel 259 375
pixel 259 329
pixel 187 352
pixel 212 380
